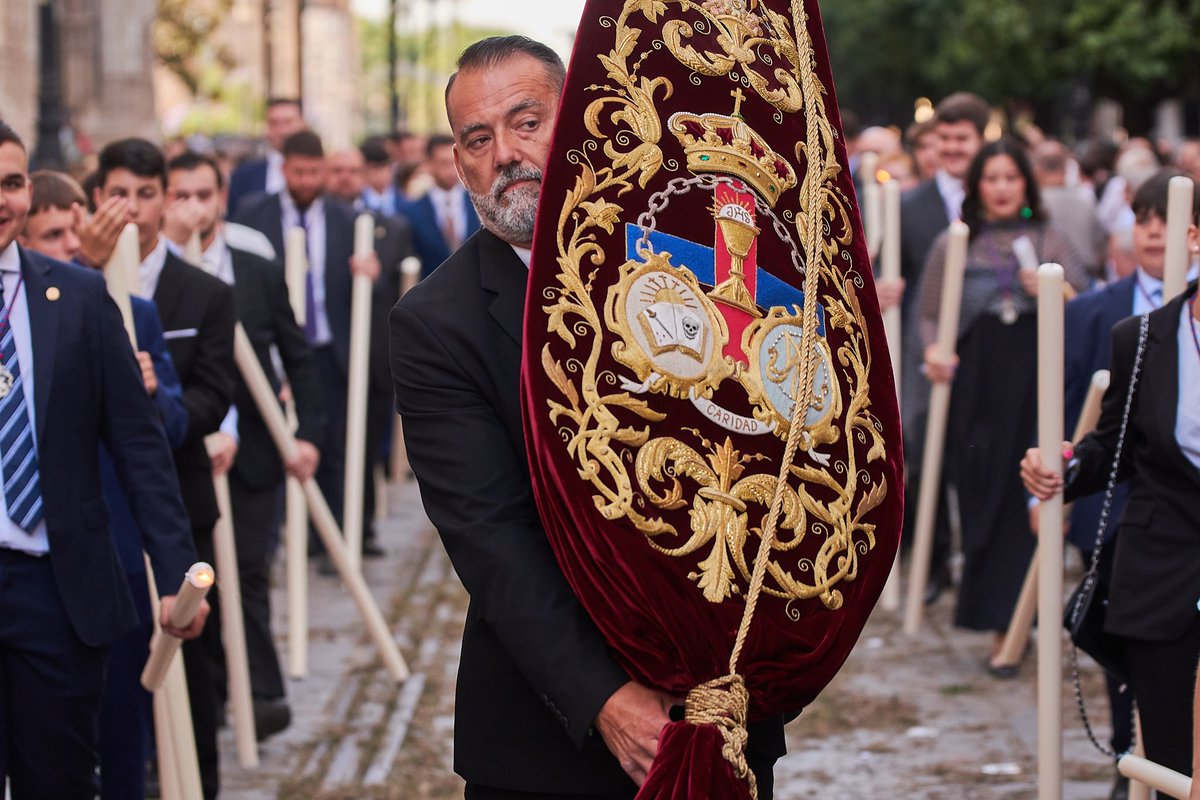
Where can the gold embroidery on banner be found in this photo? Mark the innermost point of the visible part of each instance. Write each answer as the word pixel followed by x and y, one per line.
pixel 658 322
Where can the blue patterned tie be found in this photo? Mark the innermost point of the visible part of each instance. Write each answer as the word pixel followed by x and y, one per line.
pixel 18 455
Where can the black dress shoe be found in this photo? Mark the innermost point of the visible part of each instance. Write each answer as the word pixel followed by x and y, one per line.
pixel 152 788
pixel 939 581
pixel 371 549
pixel 1002 672
pixel 270 716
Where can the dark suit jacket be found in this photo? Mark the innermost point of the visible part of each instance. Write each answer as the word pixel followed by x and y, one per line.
pixel 198 316
pixel 1088 322
pixel 535 671
pixel 922 220
pixel 428 241
pixel 168 401
pixel 260 294
pixel 88 391
pixel 265 215
pixel 1156 574
pixel 249 178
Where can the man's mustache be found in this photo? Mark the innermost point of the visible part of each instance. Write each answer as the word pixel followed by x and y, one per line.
pixel 511 175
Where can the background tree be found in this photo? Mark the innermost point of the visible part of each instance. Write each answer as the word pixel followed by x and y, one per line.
pixel 886 53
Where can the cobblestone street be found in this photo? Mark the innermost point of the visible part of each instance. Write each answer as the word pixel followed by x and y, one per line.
pixel 905 718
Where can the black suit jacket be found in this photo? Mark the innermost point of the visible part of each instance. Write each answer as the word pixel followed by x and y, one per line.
pixel 265 214
pixel 260 294
pixel 88 390
pixel 198 316
pixel 1156 575
pixel 535 671
pixel 922 220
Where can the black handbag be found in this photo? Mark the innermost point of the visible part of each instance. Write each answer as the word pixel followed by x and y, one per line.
pixel 1084 620
pixel 1088 606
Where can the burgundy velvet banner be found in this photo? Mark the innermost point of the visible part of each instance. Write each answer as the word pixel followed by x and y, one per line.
pixel 697 177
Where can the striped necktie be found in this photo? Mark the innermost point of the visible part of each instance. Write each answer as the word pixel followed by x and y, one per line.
pixel 18 455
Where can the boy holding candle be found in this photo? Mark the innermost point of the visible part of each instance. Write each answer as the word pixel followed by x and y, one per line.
pixel 66 599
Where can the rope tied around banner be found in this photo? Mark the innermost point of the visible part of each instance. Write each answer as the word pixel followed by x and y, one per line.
pixel 724 702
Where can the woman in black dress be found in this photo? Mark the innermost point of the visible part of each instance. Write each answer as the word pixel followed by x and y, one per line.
pixel 994 398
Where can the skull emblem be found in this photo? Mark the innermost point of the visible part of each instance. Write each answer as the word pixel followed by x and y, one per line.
pixel 691 327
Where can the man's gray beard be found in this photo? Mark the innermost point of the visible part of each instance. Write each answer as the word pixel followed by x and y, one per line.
pixel 510 216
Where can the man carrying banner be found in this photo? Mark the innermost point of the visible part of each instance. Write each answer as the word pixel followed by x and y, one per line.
pixel 542 708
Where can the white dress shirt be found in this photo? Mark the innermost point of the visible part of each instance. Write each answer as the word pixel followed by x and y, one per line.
pixel 1187 425
pixel 150 269
pixel 275 181
pixel 315 225
pixel 450 203
pixel 218 262
pixel 953 193
pixel 11 536
pixel 1148 291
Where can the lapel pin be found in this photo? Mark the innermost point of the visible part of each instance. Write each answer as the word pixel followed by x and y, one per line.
pixel 53 294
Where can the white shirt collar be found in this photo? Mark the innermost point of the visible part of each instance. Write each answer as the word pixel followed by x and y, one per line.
pixel 523 253
pixel 953 193
pixel 10 259
pixel 150 269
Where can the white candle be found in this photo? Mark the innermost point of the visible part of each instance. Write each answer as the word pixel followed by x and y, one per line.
pixel 1179 217
pixel 1156 776
pixel 1050 521
pixel 935 430
pixel 194 252
pixel 296 526
pixel 890 271
pixel 1022 621
pixel 233 631
pixel 356 394
pixel 196 583
pixel 323 521
pixel 295 266
pixel 410 274
pixel 119 273
pixel 872 211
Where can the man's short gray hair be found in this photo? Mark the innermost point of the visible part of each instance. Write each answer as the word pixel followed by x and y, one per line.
pixel 494 50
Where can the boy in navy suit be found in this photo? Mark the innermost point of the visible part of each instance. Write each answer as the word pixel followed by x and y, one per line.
pixel 65 597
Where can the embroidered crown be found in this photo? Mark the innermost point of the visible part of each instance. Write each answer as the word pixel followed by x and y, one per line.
pixel 726 145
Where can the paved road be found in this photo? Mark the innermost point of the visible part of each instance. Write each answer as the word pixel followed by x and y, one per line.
pixel 904 719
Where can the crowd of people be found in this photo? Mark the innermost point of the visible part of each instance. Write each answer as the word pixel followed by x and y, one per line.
pixel 1098 209
pixel 184 315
